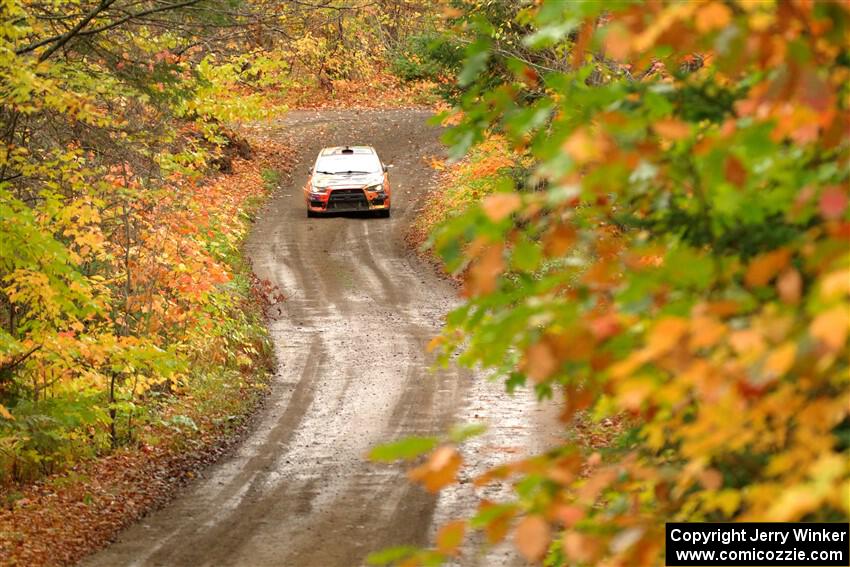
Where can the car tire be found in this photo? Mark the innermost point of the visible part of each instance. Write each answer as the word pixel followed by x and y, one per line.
pixel 384 213
pixel 310 214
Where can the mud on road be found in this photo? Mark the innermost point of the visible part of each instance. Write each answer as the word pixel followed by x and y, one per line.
pixel 352 372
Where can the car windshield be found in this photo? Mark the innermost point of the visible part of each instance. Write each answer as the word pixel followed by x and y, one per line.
pixel 348 163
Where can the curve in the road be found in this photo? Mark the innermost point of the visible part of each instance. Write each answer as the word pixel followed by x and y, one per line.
pixel 352 373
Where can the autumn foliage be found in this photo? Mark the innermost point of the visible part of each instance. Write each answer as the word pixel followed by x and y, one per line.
pixel 676 259
pixel 121 281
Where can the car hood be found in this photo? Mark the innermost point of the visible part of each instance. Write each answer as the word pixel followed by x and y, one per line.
pixel 347 180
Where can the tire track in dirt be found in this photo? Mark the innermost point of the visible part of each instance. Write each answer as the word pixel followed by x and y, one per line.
pixel 352 373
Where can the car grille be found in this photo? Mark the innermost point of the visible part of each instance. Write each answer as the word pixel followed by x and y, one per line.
pixel 348 199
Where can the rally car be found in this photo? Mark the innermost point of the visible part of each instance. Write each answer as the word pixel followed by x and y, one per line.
pixel 345 179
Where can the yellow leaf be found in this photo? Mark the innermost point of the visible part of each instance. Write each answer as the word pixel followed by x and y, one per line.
pixel 532 537
pixel 665 335
pixel 781 359
pixel 793 504
pixel 5 413
pixel 632 392
pixel 830 327
pixel 835 284
pixel 500 205
pixel 727 501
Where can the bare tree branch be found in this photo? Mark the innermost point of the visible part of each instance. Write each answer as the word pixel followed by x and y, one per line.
pixel 66 37
pixel 59 40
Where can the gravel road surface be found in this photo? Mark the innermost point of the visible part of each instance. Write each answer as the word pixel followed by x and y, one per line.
pixel 352 372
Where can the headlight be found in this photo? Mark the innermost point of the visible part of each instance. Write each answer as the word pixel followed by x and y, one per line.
pixel 377 188
pixel 316 189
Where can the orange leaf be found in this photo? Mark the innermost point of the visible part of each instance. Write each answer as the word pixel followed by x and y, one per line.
pixel 790 285
pixel 578 49
pixel 833 202
pixel 735 171
pixel 497 528
pixel 747 341
pixel 565 469
pixel 605 326
pixel 482 276
pixel 584 147
pixel 617 41
pixel 765 266
pixel 435 343
pixel 711 479
pixel 712 16
pixel 439 470
pixel 499 205
pixel 5 413
pixel 723 307
pixel 569 515
pixel 830 327
pixel 705 332
pixel 665 334
pixel 497 473
pixel 540 362
pixel 780 360
pixel 559 240
pixel 530 75
pixel 532 537
pixel 450 537
pixel 581 548
pixel 672 129
pixel 575 400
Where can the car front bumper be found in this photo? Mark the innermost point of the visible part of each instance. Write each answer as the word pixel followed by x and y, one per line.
pixel 347 200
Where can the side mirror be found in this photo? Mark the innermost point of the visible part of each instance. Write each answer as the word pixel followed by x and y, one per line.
pixel 309 170
pixel 386 169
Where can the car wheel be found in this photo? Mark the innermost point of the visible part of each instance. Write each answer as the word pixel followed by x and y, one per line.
pixel 384 213
pixel 310 214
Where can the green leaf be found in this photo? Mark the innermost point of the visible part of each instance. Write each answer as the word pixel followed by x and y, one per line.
pixel 391 555
pixel 487 515
pixel 406 449
pixel 526 255
pixel 477 55
pixel 461 433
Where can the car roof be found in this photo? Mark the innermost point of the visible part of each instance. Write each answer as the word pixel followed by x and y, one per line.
pixel 342 150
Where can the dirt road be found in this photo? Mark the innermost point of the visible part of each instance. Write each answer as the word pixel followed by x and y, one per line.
pixel 352 373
